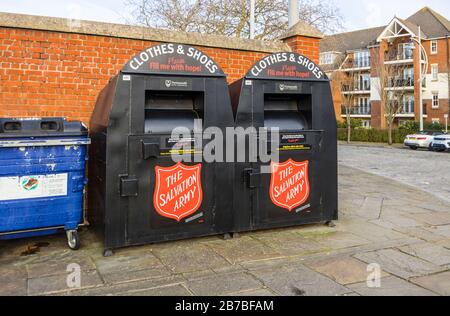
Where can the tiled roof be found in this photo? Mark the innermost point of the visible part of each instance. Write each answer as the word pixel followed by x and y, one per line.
pixel 431 23
pixel 350 41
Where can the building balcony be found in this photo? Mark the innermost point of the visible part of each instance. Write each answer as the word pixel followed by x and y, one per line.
pixel 360 64
pixel 356 111
pixel 405 57
pixel 359 89
pixel 400 83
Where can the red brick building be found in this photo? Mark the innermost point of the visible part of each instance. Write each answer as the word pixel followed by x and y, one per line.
pixel 57 67
pixel 358 54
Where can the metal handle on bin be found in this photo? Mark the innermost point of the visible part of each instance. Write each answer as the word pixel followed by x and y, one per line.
pixel 252 178
pixel 150 150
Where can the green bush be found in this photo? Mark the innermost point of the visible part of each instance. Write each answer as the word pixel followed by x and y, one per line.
pixel 434 127
pixel 354 123
pixel 373 135
pixel 410 126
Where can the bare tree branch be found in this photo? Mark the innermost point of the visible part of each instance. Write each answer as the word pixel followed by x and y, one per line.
pixel 231 17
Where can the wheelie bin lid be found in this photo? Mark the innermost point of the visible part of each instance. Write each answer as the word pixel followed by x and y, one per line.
pixel 41 132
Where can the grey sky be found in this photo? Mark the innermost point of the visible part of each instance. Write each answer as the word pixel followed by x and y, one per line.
pixel 357 13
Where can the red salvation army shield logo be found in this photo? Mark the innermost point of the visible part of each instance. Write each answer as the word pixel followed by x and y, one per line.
pixel 289 185
pixel 178 191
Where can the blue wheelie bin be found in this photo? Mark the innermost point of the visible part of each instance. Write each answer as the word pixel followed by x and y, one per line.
pixel 42 177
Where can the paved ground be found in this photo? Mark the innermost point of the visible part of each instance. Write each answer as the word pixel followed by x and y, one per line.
pixel 404 230
pixel 428 171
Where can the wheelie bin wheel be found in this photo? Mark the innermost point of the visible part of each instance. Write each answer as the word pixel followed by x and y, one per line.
pixel 73 239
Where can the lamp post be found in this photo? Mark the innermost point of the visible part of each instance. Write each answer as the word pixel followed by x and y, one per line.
pixel 293 12
pixel 421 51
pixel 252 19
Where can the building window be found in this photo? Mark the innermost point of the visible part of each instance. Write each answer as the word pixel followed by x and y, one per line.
pixel 408 104
pixel 361 59
pixel 365 123
pixel 363 83
pixel 406 50
pixel 434 47
pixel 435 103
pixel 434 72
pixel 408 74
pixel 327 58
pixel 363 106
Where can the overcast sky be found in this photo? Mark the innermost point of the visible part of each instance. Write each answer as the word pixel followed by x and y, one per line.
pixel 357 13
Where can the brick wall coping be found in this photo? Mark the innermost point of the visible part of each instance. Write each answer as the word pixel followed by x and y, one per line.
pixel 302 29
pixel 42 23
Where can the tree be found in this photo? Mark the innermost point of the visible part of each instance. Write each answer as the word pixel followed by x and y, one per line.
pixel 392 88
pixel 232 17
pixel 347 82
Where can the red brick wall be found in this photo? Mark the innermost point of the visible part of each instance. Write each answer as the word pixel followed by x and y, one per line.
pixel 45 73
pixel 307 46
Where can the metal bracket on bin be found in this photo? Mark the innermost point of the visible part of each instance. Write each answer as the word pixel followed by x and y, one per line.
pixel 150 150
pixel 252 178
pixel 129 186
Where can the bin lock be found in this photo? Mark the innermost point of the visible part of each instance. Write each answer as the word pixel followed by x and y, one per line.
pixel 129 186
pixel 252 178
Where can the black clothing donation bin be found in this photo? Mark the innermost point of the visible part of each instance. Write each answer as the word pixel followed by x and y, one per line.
pixel 289 92
pixel 139 193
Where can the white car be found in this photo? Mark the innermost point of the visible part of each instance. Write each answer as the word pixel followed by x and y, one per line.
pixel 441 143
pixel 422 139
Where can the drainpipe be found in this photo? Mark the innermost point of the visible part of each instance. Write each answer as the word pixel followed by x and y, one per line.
pixel 293 12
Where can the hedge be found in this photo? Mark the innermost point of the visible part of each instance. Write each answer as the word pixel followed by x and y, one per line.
pixel 373 135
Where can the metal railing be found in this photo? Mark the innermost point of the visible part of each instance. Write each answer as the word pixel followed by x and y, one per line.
pixel 401 82
pixel 356 110
pixel 365 86
pixel 396 55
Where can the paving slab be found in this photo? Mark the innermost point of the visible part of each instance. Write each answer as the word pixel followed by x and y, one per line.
pixel 58 283
pixel 436 254
pixel 298 280
pixel 243 249
pixel 438 283
pixel 13 280
pixel 58 264
pixel 131 275
pixel 421 233
pixel 224 284
pixel 110 290
pixel 116 268
pixel 443 230
pixel 432 218
pixel 254 293
pixel 371 208
pixel 398 220
pixel 399 263
pixel 188 257
pixel 369 231
pixel 343 270
pixel 173 290
pixel 293 244
pixel 391 286
pixel 341 240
